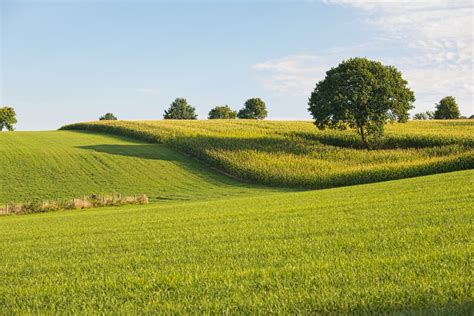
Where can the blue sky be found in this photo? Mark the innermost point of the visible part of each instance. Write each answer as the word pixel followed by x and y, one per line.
pixel 69 61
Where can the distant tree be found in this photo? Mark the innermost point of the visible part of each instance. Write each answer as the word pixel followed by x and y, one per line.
pixel 471 117
pixel 361 94
pixel 428 115
pixel 180 110
pixel 108 117
pixel 222 112
pixel 447 109
pixel 253 109
pixel 7 118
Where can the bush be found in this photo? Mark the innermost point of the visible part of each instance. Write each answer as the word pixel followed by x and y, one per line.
pixel 36 206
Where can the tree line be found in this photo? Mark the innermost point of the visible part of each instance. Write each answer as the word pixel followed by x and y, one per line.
pixel 180 109
pixel 253 108
pixel 358 94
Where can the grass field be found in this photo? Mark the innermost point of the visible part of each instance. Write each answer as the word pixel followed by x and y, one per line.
pixel 296 154
pixel 397 246
pixel 52 165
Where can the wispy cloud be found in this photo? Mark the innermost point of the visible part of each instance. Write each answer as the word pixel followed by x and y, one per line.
pixel 433 41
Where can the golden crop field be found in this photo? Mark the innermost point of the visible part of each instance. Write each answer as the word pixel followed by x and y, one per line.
pixel 295 153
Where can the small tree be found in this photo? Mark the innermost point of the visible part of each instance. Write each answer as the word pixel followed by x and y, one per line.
pixel 180 110
pixel 361 94
pixel 108 117
pixel 222 112
pixel 253 109
pixel 7 118
pixel 428 115
pixel 447 109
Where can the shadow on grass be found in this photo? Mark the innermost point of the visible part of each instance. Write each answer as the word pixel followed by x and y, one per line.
pixel 162 152
pixel 143 151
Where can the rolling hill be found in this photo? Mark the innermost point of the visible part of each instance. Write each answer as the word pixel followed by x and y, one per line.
pixel 64 164
pixel 400 247
pixel 210 243
pixel 296 154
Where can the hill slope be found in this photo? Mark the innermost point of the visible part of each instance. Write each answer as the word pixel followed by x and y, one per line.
pixel 287 153
pixel 60 164
pixel 394 246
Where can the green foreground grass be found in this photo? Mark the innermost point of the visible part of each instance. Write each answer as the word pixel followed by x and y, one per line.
pixel 395 246
pixel 296 154
pixel 63 164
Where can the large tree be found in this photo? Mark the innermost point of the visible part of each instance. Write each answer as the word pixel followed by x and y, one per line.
pixel 7 118
pixel 180 110
pixel 254 108
pixel 222 112
pixel 363 95
pixel 447 109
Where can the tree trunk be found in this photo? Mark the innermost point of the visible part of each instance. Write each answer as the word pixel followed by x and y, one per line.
pixel 364 138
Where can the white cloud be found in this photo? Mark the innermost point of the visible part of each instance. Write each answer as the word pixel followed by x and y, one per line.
pixel 433 40
pixel 293 75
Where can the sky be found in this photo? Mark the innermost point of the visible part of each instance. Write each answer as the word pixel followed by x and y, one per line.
pixel 74 60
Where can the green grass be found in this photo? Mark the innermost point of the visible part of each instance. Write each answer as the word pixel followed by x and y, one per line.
pixel 64 164
pixel 296 154
pixel 398 246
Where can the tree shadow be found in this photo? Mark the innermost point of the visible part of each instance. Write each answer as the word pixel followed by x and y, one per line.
pixel 143 151
pixel 192 164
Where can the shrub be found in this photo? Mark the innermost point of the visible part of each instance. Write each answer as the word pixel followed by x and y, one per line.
pixel 36 206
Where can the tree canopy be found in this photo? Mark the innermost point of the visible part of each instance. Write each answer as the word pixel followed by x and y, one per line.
pixel 428 115
pixel 180 110
pixel 447 109
pixel 108 117
pixel 363 95
pixel 7 118
pixel 222 112
pixel 254 108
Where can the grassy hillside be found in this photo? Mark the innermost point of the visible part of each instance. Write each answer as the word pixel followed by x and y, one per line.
pixel 51 165
pixel 394 246
pixel 297 154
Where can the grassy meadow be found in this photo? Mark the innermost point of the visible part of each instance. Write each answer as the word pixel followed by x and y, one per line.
pixel 210 243
pixel 401 246
pixel 63 164
pixel 296 154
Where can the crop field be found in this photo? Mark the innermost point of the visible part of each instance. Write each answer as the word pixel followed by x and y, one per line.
pixel 391 247
pixel 53 165
pixel 296 154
